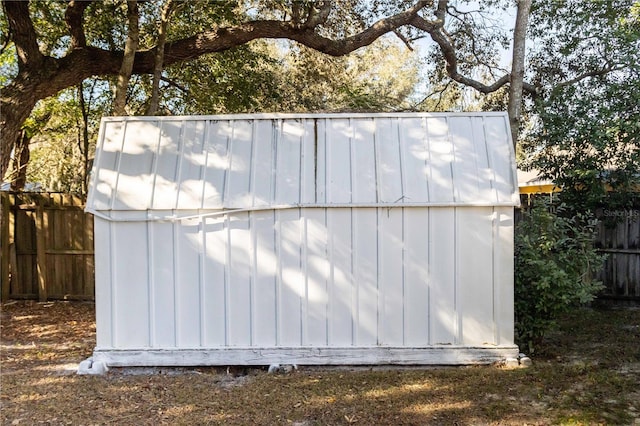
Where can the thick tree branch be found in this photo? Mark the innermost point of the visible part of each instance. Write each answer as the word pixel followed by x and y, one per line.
pixel 221 39
pixel 436 31
pixel 73 18
pixel 23 32
pixel 585 75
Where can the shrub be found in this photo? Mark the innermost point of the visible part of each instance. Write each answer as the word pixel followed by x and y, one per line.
pixel 554 269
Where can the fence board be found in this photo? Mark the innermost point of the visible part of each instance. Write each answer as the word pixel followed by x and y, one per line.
pixel 5 253
pixel 619 239
pixel 52 241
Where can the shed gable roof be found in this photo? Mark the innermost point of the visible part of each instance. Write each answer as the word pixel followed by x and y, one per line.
pixel 266 160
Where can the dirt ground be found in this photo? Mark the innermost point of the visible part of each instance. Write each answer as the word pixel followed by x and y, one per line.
pixel 586 372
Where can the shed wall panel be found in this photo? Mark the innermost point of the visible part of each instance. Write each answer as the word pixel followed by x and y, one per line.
pixel 215 245
pixel 416 298
pixel 130 293
pixel 310 276
pixel 442 277
pixel 104 282
pixel 318 273
pixel 339 237
pixel 503 275
pixel 475 265
pixel 161 275
pixel 187 274
pixel 365 275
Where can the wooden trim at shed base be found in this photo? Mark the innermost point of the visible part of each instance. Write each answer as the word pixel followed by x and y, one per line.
pixel 433 355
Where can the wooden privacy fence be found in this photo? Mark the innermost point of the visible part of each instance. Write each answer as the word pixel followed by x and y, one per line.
pixel 619 239
pixel 47 247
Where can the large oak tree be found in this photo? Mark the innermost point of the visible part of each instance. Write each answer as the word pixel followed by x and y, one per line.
pixel 332 27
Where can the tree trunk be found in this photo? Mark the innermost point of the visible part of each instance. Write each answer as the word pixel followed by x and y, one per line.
pixel 20 162
pixel 159 64
pixel 15 108
pixel 126 69
pixel 84 148
pixel 517 68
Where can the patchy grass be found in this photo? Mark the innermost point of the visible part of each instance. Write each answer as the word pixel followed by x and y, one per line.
pixel 586 372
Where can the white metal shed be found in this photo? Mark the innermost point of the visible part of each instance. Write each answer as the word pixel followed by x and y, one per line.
pixel 304 239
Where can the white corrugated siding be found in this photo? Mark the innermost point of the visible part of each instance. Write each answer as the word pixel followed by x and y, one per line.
pixel 241 162
pixel 366 231
pixel 310 277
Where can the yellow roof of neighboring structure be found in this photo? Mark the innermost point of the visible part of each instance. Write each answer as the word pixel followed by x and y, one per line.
pixel 530 182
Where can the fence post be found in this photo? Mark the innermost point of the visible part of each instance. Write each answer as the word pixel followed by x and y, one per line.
pixel 41 255
pixel 4 235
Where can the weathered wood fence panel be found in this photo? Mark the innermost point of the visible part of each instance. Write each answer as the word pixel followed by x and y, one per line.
pixel 619 238
pixel 47 247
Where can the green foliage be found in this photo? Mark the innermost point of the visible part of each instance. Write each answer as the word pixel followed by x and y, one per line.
pixel 586 137
pixel 555 261
pixel 588 142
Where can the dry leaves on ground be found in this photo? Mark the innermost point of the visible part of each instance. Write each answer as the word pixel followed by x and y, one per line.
pixel 588 372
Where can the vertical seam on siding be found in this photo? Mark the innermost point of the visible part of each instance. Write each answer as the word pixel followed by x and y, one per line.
pixel 205 148
pixel 403 175
pixel 495 222
pixel 315 160
pixel 203 304
pixel 154 166
pixel 458 337
pixel 252 163
pixel 376 166
pixel 118 164
pixel 276 132
pixel 350 163
pixel 474 144
pixel 379 287
pixel 355 286
pixel 176 293
pixel 227 278
pixel 492 180
pixel 301 175
pixel 201 280
pixel 277 232
pixel 427 159
pixel 404 275
pixel 227 173
pixel 252 275
pixel 331 284
pixel 150 282
pixel 429 260
pixel 454 183
pixel 112 267
pixel 302 269
pixel 182 143
pixel 304 311
pixel 327 281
